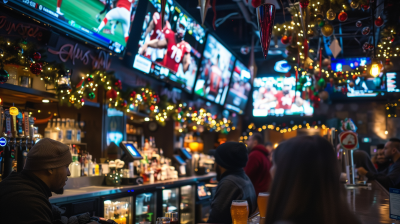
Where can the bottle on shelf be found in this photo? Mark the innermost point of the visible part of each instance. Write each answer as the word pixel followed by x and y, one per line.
pixel 68 132
pixel 90 166
pixel 75 166
pixel 60 135
pixel 78 133
pixel 54 131
pixel 47 130
pixel 73 130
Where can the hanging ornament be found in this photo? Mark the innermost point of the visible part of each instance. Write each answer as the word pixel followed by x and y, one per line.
pixel 326 62
pixel 204 5
pixel 3 76
pixel 303 80
pixel 365 7
pixel 285 39
pixel 255 3
pixel 89 79
pixel 35 68
pixel 91 95
pixel 321 24
pixel 319 18
pixel 365 46
pixel 266 17
pixel 354 4
pixel 305 16
pixel 118 84
pixel 358 24
pixel 379 22
pixel 111 94
pixel 37 56
pixel 124 103
pixel 365 30
pixel 342 17
pixel 327 30
pixel 321 82
pixel 351 84
pixel 370 47
pixel 330 14
pixel 133 94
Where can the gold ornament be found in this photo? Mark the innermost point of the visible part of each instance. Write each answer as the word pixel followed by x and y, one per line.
pixel 327 30
pixel 354 4
pixel 319 18
pixel 330 14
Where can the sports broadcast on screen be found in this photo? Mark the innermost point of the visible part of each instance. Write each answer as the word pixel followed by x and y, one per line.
pixel 171 50
pixel 104 21
pixel 240 88
pixel 215 71
pixel 276 96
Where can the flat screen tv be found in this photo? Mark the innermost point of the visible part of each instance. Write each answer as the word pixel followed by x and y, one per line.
pixel 240 88
pixel 215 71
pixel 170 51
pixel 276 96
pixel 103 22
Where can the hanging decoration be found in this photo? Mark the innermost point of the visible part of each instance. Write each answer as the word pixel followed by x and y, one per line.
pixel 285 39
pixel 358 24
pixel 163 3
pixel 330 14
pixel 266 17
pixel 37 56
pixel 3 76
pixel 354 4
pixel 204 5
pixel 35 68
pixel 342 17
pixel 305 15
pixel 379 22
pixel 327 30
pixel 365 30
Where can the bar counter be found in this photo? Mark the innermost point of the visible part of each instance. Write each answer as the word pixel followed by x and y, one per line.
pixel 70 195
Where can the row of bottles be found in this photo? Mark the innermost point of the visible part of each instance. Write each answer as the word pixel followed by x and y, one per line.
pixel 63 130
pixel 83 165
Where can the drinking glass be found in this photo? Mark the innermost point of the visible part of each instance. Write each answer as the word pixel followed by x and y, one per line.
pixel 262 202
pixel 239 211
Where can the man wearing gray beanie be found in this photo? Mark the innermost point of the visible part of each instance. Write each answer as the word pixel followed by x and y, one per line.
pixel 233 183
pixel 24 196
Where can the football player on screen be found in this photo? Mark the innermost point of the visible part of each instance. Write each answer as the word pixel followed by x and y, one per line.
pixel 122 14
pixel 59 7
pixel 178 51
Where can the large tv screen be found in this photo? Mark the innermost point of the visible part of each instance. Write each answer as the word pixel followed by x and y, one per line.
pixel 105 22
pixel 171 50
pixel 240 88
pixel 215 71
pixel 276 96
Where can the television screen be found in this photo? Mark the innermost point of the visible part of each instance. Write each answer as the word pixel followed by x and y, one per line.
pixel 240 88
pixel 106 22
pixel 276 96
pixel 367 86
pixel 215 71
pixel 170 50
pixel 347 64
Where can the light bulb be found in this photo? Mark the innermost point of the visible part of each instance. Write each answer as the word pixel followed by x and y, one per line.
pixel 375 70
pixel 386 132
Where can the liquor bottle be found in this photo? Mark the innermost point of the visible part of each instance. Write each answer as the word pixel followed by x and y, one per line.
pixel 60 135
pixel 78 133
pixel 47 130
pixel 75 166
pixel 73 129
pixel 90 166
pixel 54 131
pixel 68 132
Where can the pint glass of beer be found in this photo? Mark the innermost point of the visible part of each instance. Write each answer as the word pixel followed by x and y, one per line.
pixel 262 202
pixel 239 211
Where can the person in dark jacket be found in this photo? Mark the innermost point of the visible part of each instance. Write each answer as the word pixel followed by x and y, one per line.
pixel 380 162
pixel 24 196
pixel 259 164
pixel 389 178
pixel 234 184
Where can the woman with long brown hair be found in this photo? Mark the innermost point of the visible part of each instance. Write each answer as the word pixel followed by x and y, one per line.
pixel 306 187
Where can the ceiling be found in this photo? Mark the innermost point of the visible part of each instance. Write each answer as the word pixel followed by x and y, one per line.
pixel 238 30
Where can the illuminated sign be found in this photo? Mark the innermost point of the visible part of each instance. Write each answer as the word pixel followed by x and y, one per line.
pixel 3 141
pixel 282 66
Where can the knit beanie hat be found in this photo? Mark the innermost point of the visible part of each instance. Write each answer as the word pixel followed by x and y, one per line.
pixel 48 154
pixel 231 155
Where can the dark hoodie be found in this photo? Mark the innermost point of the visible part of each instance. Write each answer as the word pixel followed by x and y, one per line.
pixel 24 199
pixel 257 168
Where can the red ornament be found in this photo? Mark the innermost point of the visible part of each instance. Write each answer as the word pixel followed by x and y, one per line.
pixel 379 22
pixel 89 79
pixel 339 74
pixel 35 68
pixel 304 4
pixel 342 16
pixel 266 17
pixel 82 100
pixel 111 94
pixel 118 84
pixel 358 24
pixel 124 103
pixel 256 3
pixel 37 56
pixel 288 74
pixel 285 39
pixel 133 94
pixel 152 107
pixel 365 7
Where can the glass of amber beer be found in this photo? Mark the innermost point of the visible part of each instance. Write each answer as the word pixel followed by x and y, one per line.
pixel 262 202
pixel 239 211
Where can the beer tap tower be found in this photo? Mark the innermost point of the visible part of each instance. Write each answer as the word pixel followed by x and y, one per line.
pixel 15 142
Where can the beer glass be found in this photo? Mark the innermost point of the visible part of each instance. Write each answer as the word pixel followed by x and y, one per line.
pixel 262 202
pixel 239 211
